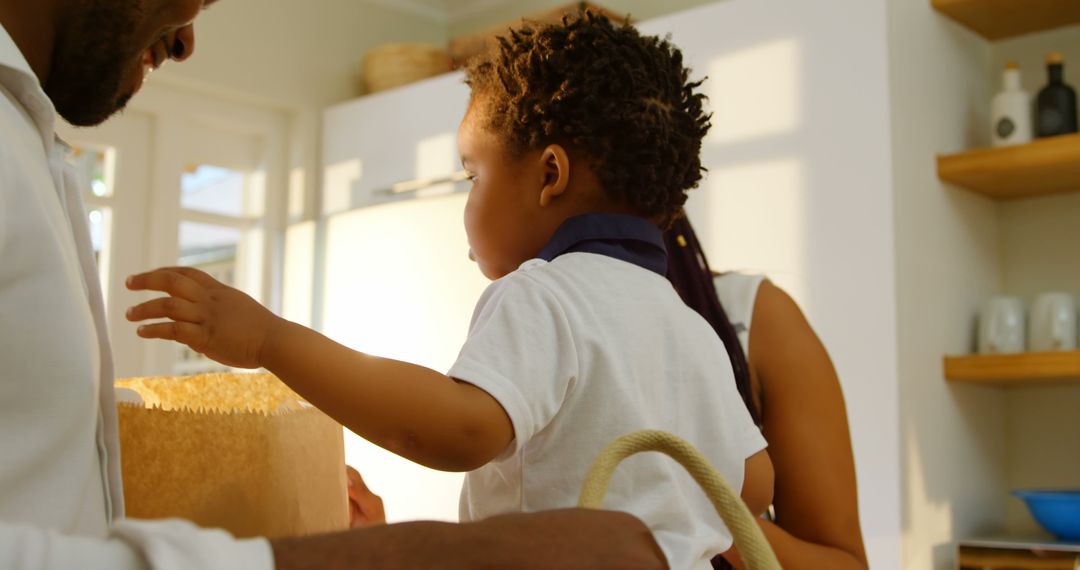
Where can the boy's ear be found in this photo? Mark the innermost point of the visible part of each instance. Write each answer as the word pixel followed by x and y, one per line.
pixel 555 166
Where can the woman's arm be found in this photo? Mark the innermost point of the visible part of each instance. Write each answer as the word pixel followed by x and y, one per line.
pixel 413 411
pixel 757 489
pixel 805 423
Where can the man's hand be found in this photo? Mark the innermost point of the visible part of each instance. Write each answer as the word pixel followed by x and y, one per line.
pixel 212 318
pixel 365 507
pixel 568 539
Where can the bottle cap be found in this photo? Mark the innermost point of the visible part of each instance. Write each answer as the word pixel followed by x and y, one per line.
pixel 1012 65
pixel 1055 58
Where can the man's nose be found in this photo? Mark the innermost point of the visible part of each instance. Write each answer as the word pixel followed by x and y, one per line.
pixel 182 44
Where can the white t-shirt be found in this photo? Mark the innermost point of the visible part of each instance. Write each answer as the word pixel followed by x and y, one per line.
pixel 60 493
pixel 737 293
pixel 582 350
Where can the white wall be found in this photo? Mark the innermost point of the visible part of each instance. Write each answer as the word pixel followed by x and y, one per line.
pixel 800 188
pixel 482 16
pixel 1038 249
pixel 947 263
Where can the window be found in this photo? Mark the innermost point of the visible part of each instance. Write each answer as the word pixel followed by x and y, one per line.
pixel 100 223
pixel 214 190
pixel 94 170
pixel 219 234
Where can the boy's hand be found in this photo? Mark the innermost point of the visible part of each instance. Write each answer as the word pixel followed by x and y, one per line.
pixel 365 508
pixel 212 318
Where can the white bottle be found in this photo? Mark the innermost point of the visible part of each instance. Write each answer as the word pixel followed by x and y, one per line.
pixel 1011 111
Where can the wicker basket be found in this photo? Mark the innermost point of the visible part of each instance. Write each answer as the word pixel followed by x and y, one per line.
pixel 394 65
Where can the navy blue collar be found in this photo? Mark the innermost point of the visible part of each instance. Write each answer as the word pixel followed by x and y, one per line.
pixel 628 238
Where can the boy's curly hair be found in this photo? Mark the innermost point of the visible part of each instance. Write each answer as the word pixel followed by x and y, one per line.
pixel 621 99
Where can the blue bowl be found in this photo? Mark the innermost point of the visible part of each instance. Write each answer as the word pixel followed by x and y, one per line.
pixel 1057 511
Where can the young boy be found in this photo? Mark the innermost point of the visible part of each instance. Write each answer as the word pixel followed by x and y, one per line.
pixel 581 140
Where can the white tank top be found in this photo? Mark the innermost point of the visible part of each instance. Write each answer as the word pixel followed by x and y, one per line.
pixel 737 293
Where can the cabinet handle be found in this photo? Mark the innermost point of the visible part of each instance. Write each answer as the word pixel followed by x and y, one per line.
pixel 418 185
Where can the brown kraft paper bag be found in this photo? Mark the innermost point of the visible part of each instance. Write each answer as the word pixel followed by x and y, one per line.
pixel 240 452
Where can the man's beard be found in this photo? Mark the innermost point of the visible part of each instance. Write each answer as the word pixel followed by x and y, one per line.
pixel 94 50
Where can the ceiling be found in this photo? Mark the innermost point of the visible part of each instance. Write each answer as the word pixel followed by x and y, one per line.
pixel 441 10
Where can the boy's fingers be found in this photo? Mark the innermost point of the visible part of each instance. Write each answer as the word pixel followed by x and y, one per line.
pixel 200 277
pixel 365 508
pixel 373 508
pixel 184 333
pixel 166 281
pixel 355 480
pixel 173 308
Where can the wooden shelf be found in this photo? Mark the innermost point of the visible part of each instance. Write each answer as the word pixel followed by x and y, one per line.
pixel 1014 369
pixel 998 19
pixel 1043 166
pixel 1040 542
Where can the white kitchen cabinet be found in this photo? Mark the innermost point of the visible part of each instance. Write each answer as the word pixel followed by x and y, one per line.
pixel 397 136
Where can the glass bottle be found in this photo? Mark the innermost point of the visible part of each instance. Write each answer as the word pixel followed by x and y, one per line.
pixel 1056 104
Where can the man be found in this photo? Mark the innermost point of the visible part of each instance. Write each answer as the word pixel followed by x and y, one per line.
pixel 61 501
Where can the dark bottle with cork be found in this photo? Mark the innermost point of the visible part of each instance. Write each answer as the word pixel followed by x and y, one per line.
pixel 1056 105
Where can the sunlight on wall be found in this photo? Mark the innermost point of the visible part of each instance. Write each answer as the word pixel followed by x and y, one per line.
pixel 255 194
pixel 399 284
pixel 752 206
pixel 338 181
pixel 935 515
pixel 297 180
pixel 752 218
pixel 755 92
pixel 299 273
pixel 249 262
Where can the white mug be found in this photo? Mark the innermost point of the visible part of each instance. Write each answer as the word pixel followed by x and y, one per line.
pixel 1001 326
pixel 1053 322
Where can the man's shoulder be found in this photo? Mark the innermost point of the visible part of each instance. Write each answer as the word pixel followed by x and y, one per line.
pixel 19 134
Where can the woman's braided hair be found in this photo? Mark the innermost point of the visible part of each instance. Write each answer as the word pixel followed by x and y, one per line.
pixel 621 99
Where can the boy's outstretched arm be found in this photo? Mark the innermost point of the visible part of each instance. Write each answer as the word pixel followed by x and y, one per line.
pixel 416 412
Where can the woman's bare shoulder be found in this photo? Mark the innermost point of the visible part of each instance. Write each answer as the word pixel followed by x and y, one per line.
pixel 777 313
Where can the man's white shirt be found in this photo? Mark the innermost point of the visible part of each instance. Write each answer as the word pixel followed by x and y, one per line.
pixel 61 498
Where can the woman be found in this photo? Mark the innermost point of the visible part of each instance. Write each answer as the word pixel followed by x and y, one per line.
pixel 791 389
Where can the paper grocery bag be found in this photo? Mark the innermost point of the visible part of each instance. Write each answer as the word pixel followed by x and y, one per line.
pixel 240 452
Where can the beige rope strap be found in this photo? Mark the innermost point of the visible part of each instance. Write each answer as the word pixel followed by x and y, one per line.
pixel 753 547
